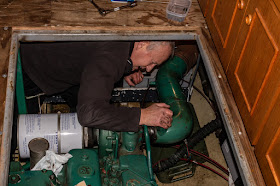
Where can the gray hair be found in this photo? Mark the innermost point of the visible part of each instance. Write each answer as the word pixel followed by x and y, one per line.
pixel 155 44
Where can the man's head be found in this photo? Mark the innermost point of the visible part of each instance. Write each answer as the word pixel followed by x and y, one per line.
pixel 148 54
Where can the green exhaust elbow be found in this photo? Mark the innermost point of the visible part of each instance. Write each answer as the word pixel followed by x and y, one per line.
pixel 170 92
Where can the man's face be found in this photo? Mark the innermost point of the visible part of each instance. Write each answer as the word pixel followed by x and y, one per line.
pixel 148 59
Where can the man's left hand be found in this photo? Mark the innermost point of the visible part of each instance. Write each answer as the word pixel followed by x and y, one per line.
pixel 134 78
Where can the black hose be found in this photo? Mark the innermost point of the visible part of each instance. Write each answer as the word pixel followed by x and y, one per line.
pixel 193 140
pixel 207 129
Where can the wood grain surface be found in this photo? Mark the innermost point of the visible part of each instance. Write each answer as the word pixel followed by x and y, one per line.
pixel 82 13
pixel 5 41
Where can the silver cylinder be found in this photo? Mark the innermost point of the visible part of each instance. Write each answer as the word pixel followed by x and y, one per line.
pixel 37 148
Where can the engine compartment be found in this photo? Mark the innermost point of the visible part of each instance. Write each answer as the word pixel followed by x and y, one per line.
pixel 123 158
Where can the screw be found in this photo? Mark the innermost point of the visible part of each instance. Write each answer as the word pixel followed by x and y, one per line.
pixel 44 171
pixel 52 177
pixel 6 28
pixel 4 75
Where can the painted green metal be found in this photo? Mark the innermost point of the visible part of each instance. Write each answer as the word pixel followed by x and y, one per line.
pixel 19 176
pixel 130 140
pixel 149 156
pixel 107 139
pixel 170 92
pixel 20 88
pixel 134 171
pixel 83 166
pixel 116 146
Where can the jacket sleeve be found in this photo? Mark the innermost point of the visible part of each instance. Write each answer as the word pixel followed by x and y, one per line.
pixel 97 82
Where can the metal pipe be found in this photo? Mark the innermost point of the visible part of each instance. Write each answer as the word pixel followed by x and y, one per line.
pixel 149 156
pixel 170 92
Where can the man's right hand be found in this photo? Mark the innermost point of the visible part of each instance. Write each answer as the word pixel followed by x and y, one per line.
pixel 157 114
pixel 134 78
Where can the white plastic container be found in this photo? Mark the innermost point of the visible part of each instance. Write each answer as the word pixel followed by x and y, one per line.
pixel 63 132
pixel 177 10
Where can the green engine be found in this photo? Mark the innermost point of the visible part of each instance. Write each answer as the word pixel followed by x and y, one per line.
pixel 109 164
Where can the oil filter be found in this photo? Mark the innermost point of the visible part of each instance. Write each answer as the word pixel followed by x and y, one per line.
pixel 63 132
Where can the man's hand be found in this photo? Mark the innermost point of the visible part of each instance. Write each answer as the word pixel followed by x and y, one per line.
pixel 134 78
pixel 157 114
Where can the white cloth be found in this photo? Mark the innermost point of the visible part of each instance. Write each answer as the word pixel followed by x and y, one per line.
pixel 52 161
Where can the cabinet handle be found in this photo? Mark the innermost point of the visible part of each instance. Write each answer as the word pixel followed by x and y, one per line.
pixel 248 19
pixel 240 4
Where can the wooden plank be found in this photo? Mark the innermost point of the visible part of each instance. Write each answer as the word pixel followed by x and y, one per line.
pixel 82 13
pixel 25 13
pixel 3 2
pixel 5 41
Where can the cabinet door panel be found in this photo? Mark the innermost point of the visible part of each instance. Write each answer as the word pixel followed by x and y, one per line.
pixel 268 148
pixel 273 157
pixel 224 20
pixel 222 16
pixel 254 67
pixel 204 6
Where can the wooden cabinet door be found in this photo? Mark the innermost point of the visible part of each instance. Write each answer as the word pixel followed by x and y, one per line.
pixel 253 72
pixel 268 147
pixel 224 19
pixel 204 6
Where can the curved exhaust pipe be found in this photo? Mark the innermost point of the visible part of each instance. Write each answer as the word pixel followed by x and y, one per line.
pixel 170 92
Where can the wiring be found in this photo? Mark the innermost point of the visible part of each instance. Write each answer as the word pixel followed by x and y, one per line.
pixel 213 162
pixel 208 159
pixel 197 163
pixel 205 166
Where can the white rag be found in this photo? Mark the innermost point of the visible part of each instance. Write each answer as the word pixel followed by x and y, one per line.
pixel 52 161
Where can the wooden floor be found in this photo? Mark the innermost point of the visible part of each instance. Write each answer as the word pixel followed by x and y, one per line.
pixel 70 16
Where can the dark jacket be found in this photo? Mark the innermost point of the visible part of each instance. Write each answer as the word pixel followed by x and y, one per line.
pixel 95 66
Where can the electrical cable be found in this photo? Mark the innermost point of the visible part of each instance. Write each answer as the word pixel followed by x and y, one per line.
pixel 208 159
pixel 205 166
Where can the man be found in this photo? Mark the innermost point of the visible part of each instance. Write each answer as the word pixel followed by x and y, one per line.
pixel 95 67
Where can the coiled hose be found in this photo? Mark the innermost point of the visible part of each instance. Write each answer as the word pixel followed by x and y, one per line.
pixel 194 139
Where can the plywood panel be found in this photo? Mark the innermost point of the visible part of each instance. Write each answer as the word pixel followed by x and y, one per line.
pixel 82 13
